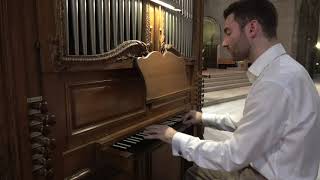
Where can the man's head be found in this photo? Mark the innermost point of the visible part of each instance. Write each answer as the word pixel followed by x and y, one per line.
pixel 248 25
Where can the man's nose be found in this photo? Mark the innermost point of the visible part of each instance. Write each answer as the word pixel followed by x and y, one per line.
pixel 224 43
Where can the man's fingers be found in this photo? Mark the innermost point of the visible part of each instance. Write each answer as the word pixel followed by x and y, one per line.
pixel 153 127
pixel 151 136
pixel 187 117
pixel 152 130
pixel 148 132
pixel 187 122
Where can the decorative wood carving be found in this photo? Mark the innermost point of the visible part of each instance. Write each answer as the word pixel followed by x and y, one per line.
pixel 127 51
pixel 167 47
pixel 147 28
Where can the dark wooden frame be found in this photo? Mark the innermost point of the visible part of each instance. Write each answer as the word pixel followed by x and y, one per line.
pixel 17 25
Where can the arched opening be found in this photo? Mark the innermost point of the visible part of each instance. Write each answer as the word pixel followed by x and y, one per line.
pixel 307 53
pixel 211 39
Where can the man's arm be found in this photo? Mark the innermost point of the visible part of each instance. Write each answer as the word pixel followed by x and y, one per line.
pixel 259 130
pixel 217 121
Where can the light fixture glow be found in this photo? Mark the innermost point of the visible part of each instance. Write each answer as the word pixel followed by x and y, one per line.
pixel 169 6
pixel 318 45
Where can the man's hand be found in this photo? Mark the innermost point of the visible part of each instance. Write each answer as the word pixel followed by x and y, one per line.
pixel 192 117
pixel 162 132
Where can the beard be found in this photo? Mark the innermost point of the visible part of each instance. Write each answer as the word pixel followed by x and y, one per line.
pixel 241 48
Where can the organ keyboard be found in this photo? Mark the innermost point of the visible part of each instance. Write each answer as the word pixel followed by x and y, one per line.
pixel 136 142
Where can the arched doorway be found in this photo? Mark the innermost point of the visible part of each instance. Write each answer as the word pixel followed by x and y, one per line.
pixel 211 39
pixel 308 34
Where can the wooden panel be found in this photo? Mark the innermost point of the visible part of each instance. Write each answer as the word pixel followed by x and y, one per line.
pixel 73 163
pixel 89 106
pixel 179 99
pixel 164 165
pixel 164 74
pixel 105 96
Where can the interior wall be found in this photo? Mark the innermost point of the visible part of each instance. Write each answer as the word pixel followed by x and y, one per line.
pixel 296 28
pixel 287 12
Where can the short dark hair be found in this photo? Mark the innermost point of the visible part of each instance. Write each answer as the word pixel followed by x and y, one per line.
pixel 261 10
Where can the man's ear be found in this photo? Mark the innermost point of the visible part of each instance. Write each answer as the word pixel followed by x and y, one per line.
pixel 252 28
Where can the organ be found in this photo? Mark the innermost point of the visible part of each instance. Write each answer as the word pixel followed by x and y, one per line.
pixel 94 79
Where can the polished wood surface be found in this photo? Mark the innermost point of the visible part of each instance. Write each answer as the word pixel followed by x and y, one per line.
pixel 17 50
pixel 164 74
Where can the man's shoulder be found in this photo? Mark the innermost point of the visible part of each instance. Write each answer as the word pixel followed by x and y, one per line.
pixel 285 72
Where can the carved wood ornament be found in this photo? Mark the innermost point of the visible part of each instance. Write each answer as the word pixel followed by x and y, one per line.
pixel 124 52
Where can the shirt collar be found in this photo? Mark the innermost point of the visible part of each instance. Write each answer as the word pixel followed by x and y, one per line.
pixel 264 60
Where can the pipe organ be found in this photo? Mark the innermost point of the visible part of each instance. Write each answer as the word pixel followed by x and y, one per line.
pixel 178 26
pixel 94 78
pixel 97 26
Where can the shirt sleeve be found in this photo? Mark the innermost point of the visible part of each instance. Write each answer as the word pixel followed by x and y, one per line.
pixel 219 121
pixel 266 108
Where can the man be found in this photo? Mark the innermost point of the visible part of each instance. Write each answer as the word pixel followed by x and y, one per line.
pixel 277 137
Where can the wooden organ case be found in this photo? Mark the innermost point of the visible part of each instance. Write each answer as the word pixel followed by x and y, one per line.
pixel 87 105
pixel 96 111
pixel 100 114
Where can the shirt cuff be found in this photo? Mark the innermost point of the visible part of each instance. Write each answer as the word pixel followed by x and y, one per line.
pixel 179 141
pixel 207 119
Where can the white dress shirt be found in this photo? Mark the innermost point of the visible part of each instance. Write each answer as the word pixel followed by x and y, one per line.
pixel 279 132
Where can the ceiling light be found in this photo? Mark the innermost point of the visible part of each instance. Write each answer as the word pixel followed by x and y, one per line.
pixel 166 5
pixel 318 45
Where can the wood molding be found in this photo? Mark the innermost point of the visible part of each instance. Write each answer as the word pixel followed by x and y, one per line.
pixel 5 155
pixel 197 45
pixel 11 91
